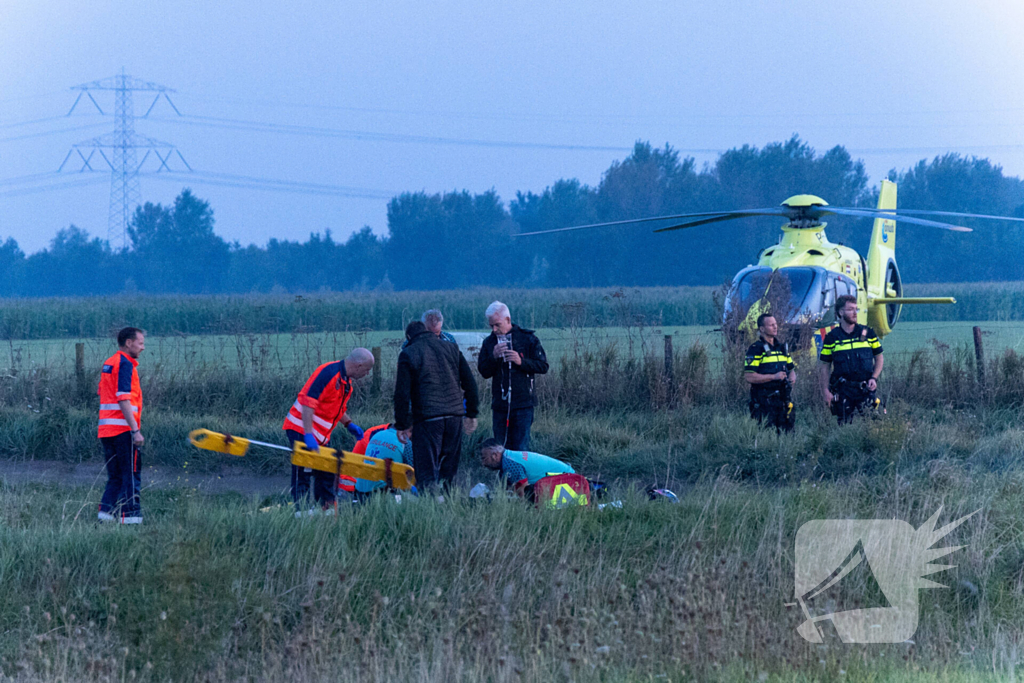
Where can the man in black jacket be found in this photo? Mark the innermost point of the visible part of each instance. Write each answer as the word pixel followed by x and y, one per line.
pixel 512 356
pixel 435 400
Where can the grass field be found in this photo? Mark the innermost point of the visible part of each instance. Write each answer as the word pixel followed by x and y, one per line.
pixel 360 311
pixel 212 589
pixel 304 351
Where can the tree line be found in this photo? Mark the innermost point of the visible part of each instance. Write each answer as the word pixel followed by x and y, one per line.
pixel 459 239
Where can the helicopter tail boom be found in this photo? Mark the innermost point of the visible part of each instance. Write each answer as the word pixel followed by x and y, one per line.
pixel 883 277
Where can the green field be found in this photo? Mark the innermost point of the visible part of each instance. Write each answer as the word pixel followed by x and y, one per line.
pixel 92 317
pixel 299 351
pixel 211 589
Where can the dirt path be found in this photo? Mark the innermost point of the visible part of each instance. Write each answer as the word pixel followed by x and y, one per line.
pixel 160 477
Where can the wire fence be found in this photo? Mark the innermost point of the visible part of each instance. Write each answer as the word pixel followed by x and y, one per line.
pixel 182 356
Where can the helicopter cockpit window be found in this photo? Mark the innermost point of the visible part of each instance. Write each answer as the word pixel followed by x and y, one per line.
pixel 798 281
pixel 786 288
pixel 751 286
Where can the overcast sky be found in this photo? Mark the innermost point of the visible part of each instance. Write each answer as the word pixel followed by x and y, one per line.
pixel 372 99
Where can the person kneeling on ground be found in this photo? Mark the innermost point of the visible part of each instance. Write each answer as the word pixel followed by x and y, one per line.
pixel 383 444
pixel 520 469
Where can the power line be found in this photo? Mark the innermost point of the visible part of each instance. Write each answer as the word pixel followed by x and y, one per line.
pixel 276 185
pixel 44 133
pixel 295 129
pixel 686 117
pixel 31 122
pixel 80 182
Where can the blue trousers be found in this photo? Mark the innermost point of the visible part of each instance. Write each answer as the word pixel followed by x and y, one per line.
pixel 124 476
pixel 324 483
pixel 516 436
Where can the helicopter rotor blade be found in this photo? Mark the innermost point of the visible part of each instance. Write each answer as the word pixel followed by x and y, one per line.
pixel 952 214
pixel 724 217
pixel 775 211
pixel 876 213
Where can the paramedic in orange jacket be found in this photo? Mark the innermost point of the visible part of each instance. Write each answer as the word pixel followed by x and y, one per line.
pixel 322 404
pixel 120 429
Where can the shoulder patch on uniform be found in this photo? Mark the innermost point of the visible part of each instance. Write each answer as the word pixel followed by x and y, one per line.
pixel 108 369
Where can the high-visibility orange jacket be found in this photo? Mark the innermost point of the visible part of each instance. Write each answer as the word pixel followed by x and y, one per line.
pixel 360 447
pixel 119 381
pixel 327 392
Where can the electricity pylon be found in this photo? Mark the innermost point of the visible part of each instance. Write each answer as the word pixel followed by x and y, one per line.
pixel 122 145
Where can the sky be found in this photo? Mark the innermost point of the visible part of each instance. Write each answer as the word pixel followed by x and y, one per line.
pixel 305 116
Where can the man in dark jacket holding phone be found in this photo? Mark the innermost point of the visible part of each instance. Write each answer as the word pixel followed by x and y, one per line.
pixel 435 401
pixel 511 356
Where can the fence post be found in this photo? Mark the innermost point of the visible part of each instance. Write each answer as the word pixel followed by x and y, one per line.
pixel 80 367
pixel 669 369
pixel 979 357
pixel 376 370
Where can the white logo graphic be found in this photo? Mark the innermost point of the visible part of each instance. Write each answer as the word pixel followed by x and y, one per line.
pixel 889 556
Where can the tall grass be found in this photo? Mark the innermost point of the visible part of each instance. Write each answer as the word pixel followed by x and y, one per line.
pixel 215 590
pixel 326 312
pixel 607 405
pixel 90 317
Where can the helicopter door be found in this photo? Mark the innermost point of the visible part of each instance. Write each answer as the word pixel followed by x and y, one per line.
pixel 828 298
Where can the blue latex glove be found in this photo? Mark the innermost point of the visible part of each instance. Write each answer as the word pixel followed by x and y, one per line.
pixel 311 443
pixel 355 430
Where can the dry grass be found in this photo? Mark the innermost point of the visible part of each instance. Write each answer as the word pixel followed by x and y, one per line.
pixel 211 589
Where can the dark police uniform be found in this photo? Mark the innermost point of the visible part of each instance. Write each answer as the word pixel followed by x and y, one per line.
pixel 770 402
pixel 852 356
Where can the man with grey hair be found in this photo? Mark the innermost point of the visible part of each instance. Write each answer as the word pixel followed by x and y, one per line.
pixel 512 356
pixel 434 320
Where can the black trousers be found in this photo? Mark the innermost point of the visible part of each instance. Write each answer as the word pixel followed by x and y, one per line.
pixel 436 450
pixel 851 399
pixel 515 434
pixel 773 409
pixel 324 483
pixel 124 476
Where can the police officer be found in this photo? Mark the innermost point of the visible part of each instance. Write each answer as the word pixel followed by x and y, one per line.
pixel 854 355
pixel 768 369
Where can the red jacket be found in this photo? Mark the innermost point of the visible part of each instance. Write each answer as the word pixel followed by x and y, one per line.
pixel 360 447
pixel 119 381
pixel 327 392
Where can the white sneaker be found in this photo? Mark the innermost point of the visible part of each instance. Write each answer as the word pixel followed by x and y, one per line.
pixel 105 517
pixel 132 520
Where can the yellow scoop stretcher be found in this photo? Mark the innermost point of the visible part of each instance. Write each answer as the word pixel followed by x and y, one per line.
pixel 394 474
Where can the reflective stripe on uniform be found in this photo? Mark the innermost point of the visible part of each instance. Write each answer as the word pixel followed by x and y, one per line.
pixel 117 423
pixel 296 421
pixel 319 420
pixel 849 345
pixel 116 406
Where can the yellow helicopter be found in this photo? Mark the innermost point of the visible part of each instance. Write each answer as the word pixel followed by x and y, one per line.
pixel 807 273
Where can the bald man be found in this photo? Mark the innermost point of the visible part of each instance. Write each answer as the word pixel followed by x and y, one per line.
pixel 322 404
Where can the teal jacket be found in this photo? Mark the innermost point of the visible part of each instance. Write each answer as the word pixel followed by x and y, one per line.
pixel 519 465
pixel 384 444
